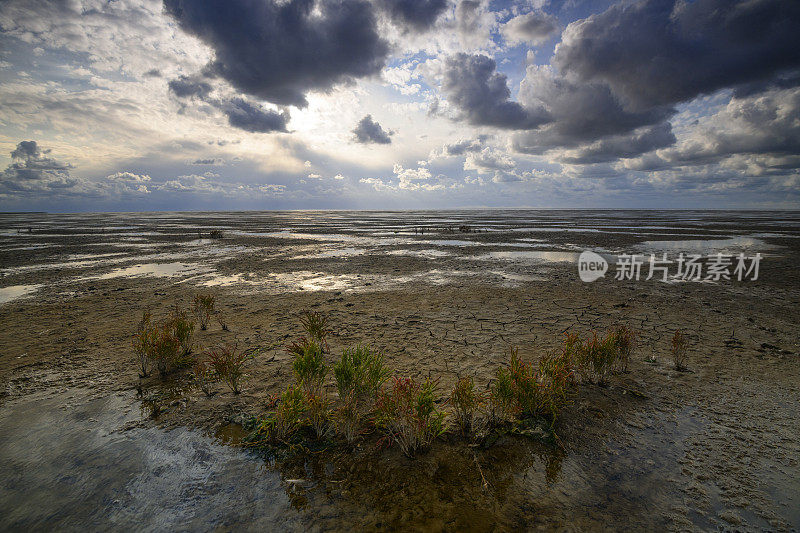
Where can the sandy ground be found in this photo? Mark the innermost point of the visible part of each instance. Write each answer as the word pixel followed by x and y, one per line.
pixel 715 447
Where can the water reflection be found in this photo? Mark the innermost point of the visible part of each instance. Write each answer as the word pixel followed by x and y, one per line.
pixel 13 292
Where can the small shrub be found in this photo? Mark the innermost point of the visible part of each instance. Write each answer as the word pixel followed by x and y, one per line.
pixel 182 328
pixel 316 326
pixel 143 342
pixel 465 401
pixel 624 339
pixel 223 323
pixel 288 416
pixel 318 413
pixel 205 377
pixel 408 413
pixel 309 367
pixel 502 404
pixel 228 364
pixel 523 390
pixel 556 380
pixel 596 358
pixel 347 418
pixel 202 308
pixel 165 349
pixel 360 372
pixel 680 349
pixel 525 386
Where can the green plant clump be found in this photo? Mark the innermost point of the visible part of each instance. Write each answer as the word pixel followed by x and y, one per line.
pixel 360 372
pixel 228 365
pixel 315 325
pixel 309 366
pixel 465 401
pixel 408 414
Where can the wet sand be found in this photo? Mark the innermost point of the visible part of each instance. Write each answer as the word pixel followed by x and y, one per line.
pixel 716 447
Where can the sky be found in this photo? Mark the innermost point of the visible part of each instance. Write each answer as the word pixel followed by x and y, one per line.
pixel 138 105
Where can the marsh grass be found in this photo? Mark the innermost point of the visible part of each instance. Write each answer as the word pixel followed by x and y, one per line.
pixel 679 350
pixel 202 308
pixel 205 377
pixel 465 401
pixel 502 402
pixel 407 412
pixel 348 417
pixel 309 366
pixel 182 328
pixel 287 419
pixel 165 349
pixel 624 340
pixel 223 323
pixel 318 414
pixel 142 343
pixel 228 364
pixel 315 325
pixel 360 372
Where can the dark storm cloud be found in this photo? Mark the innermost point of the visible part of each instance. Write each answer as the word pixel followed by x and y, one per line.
pixel 582 113
pixel 188 86
pixel 367 131
pixel 277 51
pixel 481 94
pixel 623 146
pixel 660 52
pixel 251 117
pixel 417 15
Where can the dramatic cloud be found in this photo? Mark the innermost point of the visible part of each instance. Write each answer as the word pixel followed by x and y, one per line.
pixel 658 52
pixel 30 163
pixel 417 15
pixel 582 113
pixel 178 103
pixel 251 117
pixel 622 146
pixel 481 94
pixel 278 51
pixel 367 131
pixel 754 134
pixel 34 175
pixel 534 28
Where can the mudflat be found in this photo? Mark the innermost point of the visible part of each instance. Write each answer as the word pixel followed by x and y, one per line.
pixel 443 294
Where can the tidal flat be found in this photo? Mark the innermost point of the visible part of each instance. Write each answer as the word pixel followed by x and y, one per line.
pixel 85 442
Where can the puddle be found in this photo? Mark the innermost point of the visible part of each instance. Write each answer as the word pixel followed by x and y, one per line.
pixel 710 246
pixel 14 292
pixel 164 270
pixel 452 242
pixel 548 257
pixel 428 254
